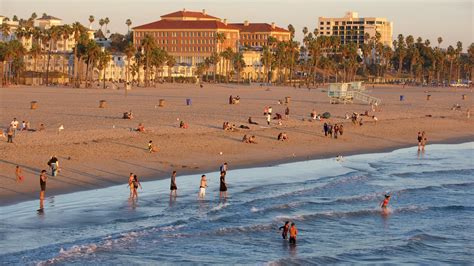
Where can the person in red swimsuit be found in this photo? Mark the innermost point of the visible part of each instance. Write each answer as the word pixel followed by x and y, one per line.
pixel 384 203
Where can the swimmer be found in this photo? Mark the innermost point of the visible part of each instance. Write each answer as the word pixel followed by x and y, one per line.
pixel 202 187
pixel 384 203
pixel 293 233
pixel 285 228
pixel 339 158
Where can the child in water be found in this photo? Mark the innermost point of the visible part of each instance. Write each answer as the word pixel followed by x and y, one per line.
pixel 384 203
pixel 285 228
pixel 293 233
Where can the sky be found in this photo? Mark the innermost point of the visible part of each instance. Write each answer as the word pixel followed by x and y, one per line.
pixel 450 19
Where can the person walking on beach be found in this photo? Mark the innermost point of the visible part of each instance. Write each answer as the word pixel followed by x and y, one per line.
pixel 10 133
pixel 269 118
pixel 202 187
pixel 293 233
pixel 18 174
pixel 423 140
pixel 223 186
pixel 173 187
pixel 285 228
pixel 14 124
pixel 287 112
pixel 326 129
pixel 54 164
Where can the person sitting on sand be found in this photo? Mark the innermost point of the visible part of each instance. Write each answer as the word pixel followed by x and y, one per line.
pixel 313 114
pixel 253 140
pixel 141 128
pixel 183 125
pixel 252 122
pixel 278 116
pixel 226 126
pixel 375 119
pixel 151 147
pixel 244 127
pixel 23 126
pixel 282 136
pixel 128 115
pixel 231 99
pixel 245 139
pixel 41 127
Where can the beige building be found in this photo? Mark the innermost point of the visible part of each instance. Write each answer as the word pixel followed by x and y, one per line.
pixel 256 34
pixel 351 28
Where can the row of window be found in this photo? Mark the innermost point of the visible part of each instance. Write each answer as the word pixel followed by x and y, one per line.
pixel 184 34
pixel 370 22
pixel 205 49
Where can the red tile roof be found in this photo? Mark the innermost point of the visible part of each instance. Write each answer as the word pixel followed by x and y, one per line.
pixel 188 14
pixel 185 24
pixel 258 27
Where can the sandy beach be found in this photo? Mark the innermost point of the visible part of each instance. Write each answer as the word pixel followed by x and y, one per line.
pixel 97 148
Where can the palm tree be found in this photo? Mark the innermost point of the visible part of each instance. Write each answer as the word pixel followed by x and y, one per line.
pixel 5 29
pixel 227 55
pixel 66 31
pixel 458 60
pixel 148 44
pixel 35 51
pixel 214 59
pixel 170 62
pixel 128 22
pixel 130 50
pixel 220 39
pixel 106 21
pixel 104 59
pixel 401 51
pixel 77 30
pixel 91 56
pixel 238 63
pixel 101 23
pixel 451 56
pixel 158 58
pixel 91 20
pixel 267 60
pixel 138 63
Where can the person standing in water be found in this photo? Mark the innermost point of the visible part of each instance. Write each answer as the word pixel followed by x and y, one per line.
pixel 202 187
pixel 285 228
pixel 130 184
pixel 43 178
pixel 223 186
pixel 223 168
pixel 293 233
pixel 173 187
pixel 136 184
pixel 384 203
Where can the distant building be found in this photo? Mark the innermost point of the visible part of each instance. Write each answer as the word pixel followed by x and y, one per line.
pixel 189 36
pixel 351 28
pixel 256 34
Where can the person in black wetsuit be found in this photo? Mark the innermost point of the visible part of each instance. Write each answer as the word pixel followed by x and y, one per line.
pixel 285 228
pixel 223 186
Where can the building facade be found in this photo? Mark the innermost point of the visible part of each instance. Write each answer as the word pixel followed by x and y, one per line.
pixel 351 28
pixel 189 36
pixel 256 34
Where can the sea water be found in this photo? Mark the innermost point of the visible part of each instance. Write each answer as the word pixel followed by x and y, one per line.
pixel 334 204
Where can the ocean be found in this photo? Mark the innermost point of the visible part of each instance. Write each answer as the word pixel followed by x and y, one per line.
pixel 334 204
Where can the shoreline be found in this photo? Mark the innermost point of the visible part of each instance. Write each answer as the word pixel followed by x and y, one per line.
pixel 98 149
pixel 147 178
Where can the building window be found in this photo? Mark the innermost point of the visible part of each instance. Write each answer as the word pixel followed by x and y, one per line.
pixel 321 23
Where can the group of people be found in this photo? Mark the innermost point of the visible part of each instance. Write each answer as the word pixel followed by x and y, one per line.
pixel 234 100
pixel 422 140
pixel 16 126
pixel 289 228
pixel 333 131
pixel 249 139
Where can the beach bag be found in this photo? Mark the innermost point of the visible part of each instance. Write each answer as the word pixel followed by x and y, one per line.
pixel 326 115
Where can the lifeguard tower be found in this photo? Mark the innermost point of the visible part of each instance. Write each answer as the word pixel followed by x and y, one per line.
pixel 348 92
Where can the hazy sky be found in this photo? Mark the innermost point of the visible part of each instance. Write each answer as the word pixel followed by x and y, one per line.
pixel 429 19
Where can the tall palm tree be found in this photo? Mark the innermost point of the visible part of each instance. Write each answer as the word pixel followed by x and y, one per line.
pixel 220 39
pixel 401 52
pixel 104 59
pixel 238 63
pixel 128 22
pixel 35 51
pixel 458 58
pixel 130 50
pixel 77 30
pixel 214 60
pixel 106 21
pixel 148 44
pixel 66 32
pixel 267 61
pixel 91 20
pixel 170 62
pixel 101 23
pixel 227 55
pixel 451 53
pixel 440 40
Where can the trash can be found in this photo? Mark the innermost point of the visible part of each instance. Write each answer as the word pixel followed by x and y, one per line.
pixel 428 97
pixel 402 97
pixel 464 96
pixel 188 101
pixel 34 105
pixel 161 103
pixel 287 99
pixel 102 104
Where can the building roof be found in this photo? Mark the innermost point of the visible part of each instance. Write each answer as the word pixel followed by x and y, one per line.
pixel 185 24
pixel 185 13
pixel 48 17
pixel 258 27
